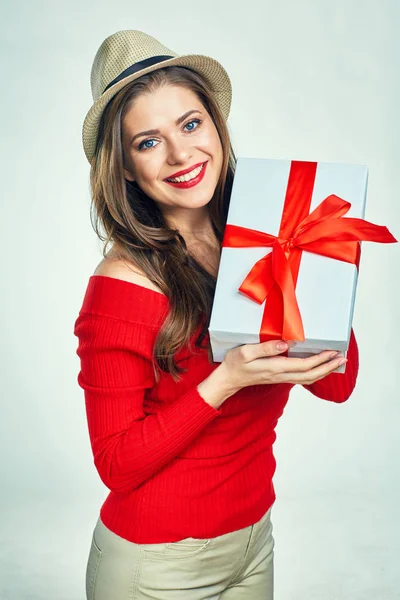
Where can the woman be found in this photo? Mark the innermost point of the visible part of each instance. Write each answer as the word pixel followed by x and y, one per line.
pixel 183 444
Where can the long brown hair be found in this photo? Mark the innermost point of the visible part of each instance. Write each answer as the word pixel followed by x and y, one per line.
pixel 137 228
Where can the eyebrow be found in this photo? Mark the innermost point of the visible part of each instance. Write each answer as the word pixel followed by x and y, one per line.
pixel 155 131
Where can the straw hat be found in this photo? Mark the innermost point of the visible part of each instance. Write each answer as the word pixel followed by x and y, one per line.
pixel 125 56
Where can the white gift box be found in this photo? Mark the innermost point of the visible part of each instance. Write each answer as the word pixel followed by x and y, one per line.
pixel 326 287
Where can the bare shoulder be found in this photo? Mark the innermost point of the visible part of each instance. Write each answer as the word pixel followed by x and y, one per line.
pixel 120 269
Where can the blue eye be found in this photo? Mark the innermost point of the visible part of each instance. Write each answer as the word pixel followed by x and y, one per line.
pixel 143 146
pixel 192 121
pixel 145 142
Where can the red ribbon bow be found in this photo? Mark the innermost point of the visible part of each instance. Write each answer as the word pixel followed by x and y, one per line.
pixel 275 275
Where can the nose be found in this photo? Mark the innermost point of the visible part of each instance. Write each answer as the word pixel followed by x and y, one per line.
pixel 178 151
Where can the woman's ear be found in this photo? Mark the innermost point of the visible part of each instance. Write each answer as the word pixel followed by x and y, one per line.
pixel 128 175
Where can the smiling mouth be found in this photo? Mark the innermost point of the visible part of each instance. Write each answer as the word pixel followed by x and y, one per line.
pixel 189 179
pixel 187 176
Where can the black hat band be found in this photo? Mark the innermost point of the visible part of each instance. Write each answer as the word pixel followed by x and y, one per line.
pixel 143 64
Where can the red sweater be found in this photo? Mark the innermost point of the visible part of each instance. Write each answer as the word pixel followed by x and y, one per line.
pixel 175 466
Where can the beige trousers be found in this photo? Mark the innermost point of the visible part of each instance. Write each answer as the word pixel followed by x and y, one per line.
pixel 233 566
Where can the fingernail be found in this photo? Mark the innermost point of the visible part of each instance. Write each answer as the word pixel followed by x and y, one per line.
pixel 281 346
pixel 342 361
pixel 333 354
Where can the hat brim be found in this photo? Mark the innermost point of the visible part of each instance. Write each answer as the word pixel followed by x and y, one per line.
pixel 212 71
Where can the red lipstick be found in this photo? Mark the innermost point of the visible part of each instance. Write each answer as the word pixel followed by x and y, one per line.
pixel 192 182
pixel 180 173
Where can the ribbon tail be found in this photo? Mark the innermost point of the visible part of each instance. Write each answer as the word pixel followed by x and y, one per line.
pixel 340 238
pixel 259 281
pixel 292 321
pixel 272 319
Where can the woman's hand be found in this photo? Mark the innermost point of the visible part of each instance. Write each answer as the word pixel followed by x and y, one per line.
pixel 254 364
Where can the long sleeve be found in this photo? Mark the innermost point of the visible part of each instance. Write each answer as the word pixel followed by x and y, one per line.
pixel 129 446
pixel 338 387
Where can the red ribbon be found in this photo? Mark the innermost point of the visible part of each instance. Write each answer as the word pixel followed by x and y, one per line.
pixel 275 275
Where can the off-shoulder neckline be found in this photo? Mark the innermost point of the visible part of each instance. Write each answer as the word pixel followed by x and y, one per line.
pixel 131 283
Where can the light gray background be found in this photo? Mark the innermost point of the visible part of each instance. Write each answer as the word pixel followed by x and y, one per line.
pixel 312 80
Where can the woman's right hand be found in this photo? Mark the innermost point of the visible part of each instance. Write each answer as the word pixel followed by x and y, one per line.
pixel 254 364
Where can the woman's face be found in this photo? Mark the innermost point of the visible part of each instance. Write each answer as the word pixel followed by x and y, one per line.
pixel 151 158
